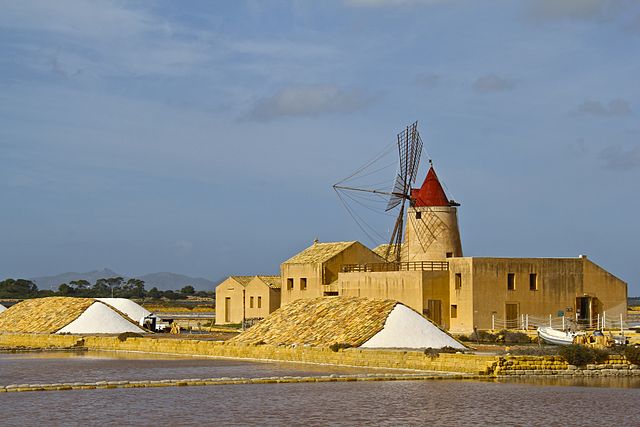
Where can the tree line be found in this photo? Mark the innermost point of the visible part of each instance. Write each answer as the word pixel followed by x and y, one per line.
pixel 116 287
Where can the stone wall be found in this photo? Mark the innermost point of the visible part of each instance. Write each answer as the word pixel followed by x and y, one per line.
pixel 555 365
pixel 466 363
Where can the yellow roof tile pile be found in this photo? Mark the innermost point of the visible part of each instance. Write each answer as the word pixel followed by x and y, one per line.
pixel 321 322
pixel 319 252
pixel 274 282
pixel 43 315
pixel 382 249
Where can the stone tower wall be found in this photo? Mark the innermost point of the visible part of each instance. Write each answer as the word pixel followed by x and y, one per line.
pixel 431 234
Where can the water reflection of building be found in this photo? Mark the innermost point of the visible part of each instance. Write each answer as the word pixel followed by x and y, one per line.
pixel 434 278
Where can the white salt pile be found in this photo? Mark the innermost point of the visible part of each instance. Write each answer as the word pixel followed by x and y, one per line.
pixel 99 318
pixel 134 311
pixel 404 328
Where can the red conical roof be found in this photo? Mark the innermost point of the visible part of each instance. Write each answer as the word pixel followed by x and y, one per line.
pixel 431 192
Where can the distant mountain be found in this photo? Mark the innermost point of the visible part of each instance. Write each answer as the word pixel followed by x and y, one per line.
pixel 166 281
pixel 163 281
pixel 52 282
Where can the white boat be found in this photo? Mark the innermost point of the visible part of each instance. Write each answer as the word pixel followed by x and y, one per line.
pixel 554 336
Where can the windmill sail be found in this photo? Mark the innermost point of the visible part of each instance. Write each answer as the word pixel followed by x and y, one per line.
pixel 409 148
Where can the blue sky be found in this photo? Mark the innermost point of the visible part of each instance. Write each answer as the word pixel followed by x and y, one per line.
pixel 203 137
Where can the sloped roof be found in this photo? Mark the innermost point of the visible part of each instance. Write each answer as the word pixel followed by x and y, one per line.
pixel 319 252
pixel 43 315
pixel 274 282
pixel 321 322
pixel 382 249
pixel 243 280
pixel 431 193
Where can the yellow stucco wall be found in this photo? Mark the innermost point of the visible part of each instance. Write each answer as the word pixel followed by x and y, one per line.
pixel 610 290
pixel 412 288
pixel 229 288
pixel 321 276
pixel 258 293
pixel 439 221
pixel 560 281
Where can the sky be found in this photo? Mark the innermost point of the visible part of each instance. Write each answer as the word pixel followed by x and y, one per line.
pixel 204 138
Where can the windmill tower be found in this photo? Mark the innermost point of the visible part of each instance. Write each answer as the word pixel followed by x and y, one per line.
pixel 432 231
pixel 429 224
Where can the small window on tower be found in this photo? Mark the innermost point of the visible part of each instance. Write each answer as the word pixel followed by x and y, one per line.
pixel 449 254
pixel 259 302
pixel 533 282
pixel 511 281
pixel 303 283
pixel 458 281
pixel 290 283
pixel 250 302
pixel 454 311
pixel 418 215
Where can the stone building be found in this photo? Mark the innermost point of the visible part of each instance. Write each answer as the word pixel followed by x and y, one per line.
pixel 434 278
pixel 460 293
pixel 246 297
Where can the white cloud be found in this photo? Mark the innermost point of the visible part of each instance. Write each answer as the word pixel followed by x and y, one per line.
pixel 493 83
pixel 309 101
pixel 615 107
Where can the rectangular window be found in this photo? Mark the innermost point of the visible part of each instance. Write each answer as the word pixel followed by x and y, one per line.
pixel 449 254
pixel 511 281
pixel 458 280
pixel 290 283
pixel 259 302
pixel 533 282
pixel 303 283
pixel 250 302
pixel 454 311
pixel 418 215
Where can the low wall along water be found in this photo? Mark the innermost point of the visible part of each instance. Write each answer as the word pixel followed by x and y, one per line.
pixel 485 365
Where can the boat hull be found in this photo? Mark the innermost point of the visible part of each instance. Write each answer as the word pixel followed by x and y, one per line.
pixel 553 336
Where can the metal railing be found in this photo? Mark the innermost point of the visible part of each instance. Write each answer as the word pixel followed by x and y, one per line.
pixel 530 322
pixel 396 266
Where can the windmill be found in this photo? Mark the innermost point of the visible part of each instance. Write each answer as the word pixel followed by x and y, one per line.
pixel 409 146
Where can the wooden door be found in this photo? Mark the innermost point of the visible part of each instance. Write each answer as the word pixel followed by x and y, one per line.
pixel 227 310
pixel 434 307
pixel 511 315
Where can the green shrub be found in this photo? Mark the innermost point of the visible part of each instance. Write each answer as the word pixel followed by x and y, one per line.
pixel 515 337
pixel 339 345
pixel 435 352
pixel 632 353
pixel 579 355
pixel 123 336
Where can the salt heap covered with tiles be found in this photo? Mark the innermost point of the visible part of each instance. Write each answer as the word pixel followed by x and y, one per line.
pixel 59 315
pixel 348 321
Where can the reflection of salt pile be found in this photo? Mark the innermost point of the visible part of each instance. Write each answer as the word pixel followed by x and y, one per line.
pixel 66 315
pixel 2 308
pixel 131 309
pixel 351 321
